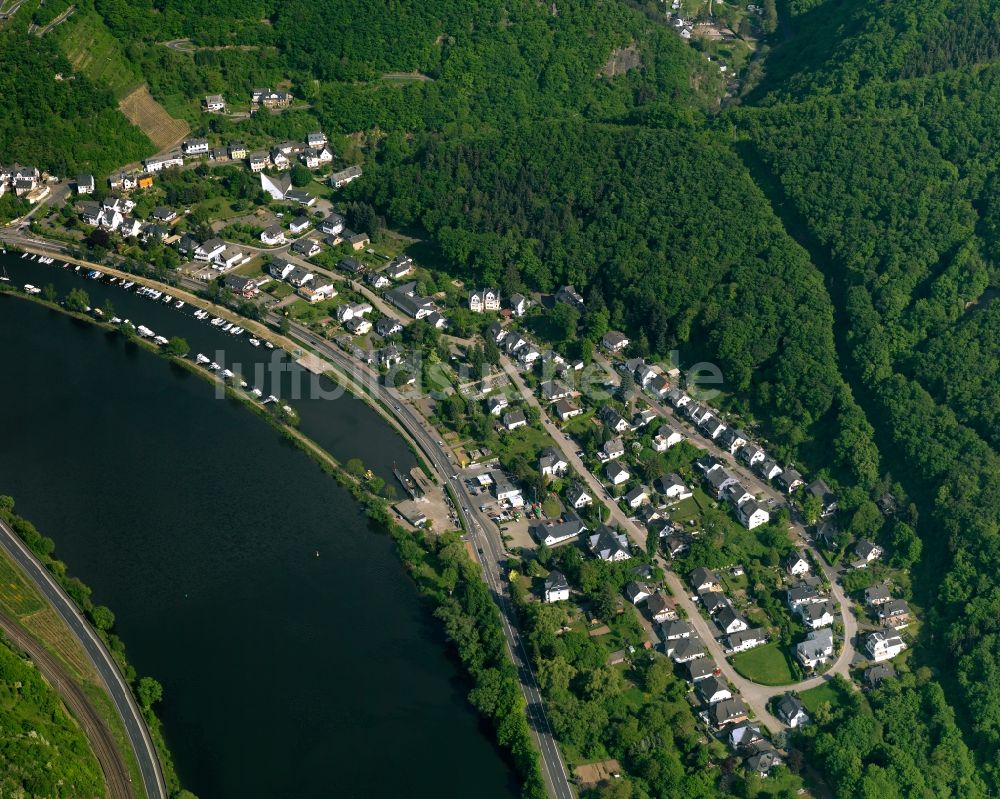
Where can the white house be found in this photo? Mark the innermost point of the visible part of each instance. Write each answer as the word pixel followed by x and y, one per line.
pixel 636 497
pixel 614 341
pixel 792 711
pixel 551 463
pixel 752 514
pixel 496 404
pixel 194 146
pixel 210 250
pixel 884 645
pixel 514 419
pixel 299 225
pixel 617 473
pixel 556 587
pixel 608 545
pixel 229 258
pixel 672 487
pixel 214 103
pixel 666 437
pixel 485 300
pixel 816 649
pixel 578 497
pixel 743 640
pixel 552 532
pixel 272 236
pixel 729 621
pixel 867 551
pixel 610 450
pixel 315 157
pixel 85 184
pixel 518 304
pixel 280 268
pixel 816 614
pixel 796 564
pixel 713 689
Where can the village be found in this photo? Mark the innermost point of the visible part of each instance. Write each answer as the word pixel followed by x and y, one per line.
pixel 623 461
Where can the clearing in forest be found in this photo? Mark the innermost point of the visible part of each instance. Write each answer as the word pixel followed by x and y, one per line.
pixel 148 115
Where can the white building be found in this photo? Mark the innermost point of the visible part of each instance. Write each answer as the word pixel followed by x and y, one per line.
pixel 884 646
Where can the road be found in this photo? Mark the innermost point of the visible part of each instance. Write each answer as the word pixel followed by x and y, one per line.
pixel 104 664
pixel 755 695
pixel 487 545
pixel 116 777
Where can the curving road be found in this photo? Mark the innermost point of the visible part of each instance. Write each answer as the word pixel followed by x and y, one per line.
pixel 104 664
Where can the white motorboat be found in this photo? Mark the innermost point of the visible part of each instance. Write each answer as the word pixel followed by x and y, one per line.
pixel 257 393
pixel 202 359
pixel 167 299
pixel 179 304
pixel 32 289
pixel 160 340
pixel 116 320
pixel 214 366
pixel 145 332
pixel 269 345
pixel 228 327
pixel 227 374
pixel 255 342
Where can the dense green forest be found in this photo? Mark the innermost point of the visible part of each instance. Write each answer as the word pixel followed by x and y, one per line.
pixel 828 238
pixel 43 752
pixel 57 120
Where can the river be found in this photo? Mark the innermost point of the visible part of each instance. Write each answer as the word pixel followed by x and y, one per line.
pixel 296 656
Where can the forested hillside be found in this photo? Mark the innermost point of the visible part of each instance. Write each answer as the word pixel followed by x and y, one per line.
pixel 891 182
pixel 55 119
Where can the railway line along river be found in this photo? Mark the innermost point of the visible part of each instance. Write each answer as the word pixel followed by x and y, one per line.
pixel 296 656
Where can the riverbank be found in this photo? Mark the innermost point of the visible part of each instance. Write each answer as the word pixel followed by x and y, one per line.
pixel 511 727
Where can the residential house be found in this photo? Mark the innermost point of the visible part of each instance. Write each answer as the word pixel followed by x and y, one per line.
pixel 732 439
pixel 817 614
pixel 736 494
pixel 613 420
pixel 258 162
pixel 792 711
pixel 643 418
pixel 742 640
pixel 306 248
pixel 552 463
pixel 552 390
pixel 435 319
pixel 611 449
pixel 606 544
pixel 514 419
pixel 566 410
pixel 120 181
pixel 789 480
pixel 519 304
pixel 387 326
pixel 163 215
pixel 895 613
pixel 713 689
pixel 826 497
pixel 877 595
pixel 298 276
pixel 883 646
pixel 315 157
pixel 796 564
pixel 661 608
pixel 577 496
pixel 719 479
pixel 229 258
pixel 617 474
pixel 237 150
pixel 187 245
pixel 153 165
pixel 636 497
pixel 666 437
pixel 485 300
pixel 316 139
pixel 321 288
pixel 377 280
pixel 300 197
pixel 129 227
pixel 356 310
pixel 714 601
pixel 728 711
pixel 570 296
pixel 299 225
pixel 751 454
pixel 194 146
pixel 213 103
pixel 699 670
pixel 752 514
pixel 658 387
pixel 399 267
pixel 867 552
pixel 697 412
pixel 269 99
pixel 874 675
pixel 340 179
pixel 154 232
pixel 614 341
pixel 802 594
pixel 729 621
pixel 556 587
pixel 768 468
pixel 332 225
pixel 703 579
pixel 551 532
pixel 358 326
pixel 817 649
pixel 711 427
pixel 637 592
pixel 85 184
pixel 280 268
pixel 210 250
pixel 406 299
pixel 763 756
pixel 743 735
pixel 241 286
pixel 272 236
pixel 672 487
pixel 496 404
pixel 686 650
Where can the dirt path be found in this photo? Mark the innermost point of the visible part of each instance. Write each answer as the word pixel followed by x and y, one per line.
pixel 116 776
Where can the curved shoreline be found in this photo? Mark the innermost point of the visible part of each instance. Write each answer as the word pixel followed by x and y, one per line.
pixel 375 508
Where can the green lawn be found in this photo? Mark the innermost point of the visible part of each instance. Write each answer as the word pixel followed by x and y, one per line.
pixel 827 692
pixel 767 665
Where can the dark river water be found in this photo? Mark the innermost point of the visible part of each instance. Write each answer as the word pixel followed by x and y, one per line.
pixel 285 674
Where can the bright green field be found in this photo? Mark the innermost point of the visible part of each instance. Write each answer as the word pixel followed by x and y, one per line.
pixel 767 665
